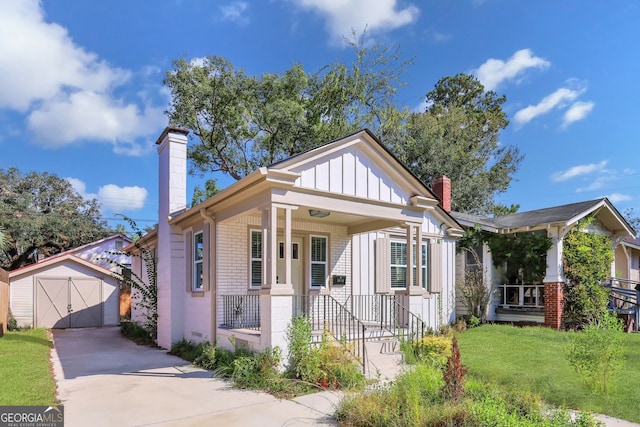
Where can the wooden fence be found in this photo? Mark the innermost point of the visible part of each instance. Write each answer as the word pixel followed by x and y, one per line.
pixel 4 301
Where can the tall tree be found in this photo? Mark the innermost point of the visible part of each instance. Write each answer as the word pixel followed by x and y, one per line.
pixel 201 194
pixel 458 136
pixel 243 122
pixel 42 213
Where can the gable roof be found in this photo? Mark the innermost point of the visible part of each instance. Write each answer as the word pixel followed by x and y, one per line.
pixel 90 244
pixel 563 215
pixel 287 173
pixel 58 259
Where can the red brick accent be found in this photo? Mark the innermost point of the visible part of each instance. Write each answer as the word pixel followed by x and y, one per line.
pixel 441 187
pixel 553 304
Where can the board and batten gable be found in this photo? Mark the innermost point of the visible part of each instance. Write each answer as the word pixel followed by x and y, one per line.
pixel 351 173
pixel 357 166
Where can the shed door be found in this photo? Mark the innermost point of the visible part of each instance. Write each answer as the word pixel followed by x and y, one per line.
pixel 85 300
pixel 68 302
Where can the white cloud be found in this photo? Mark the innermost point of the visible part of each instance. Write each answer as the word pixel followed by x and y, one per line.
pixel 119 199
pixel 578 171
pixel 81 188
pixel 598 183
pixel 577 112
pixel 113 197
pixel 235 12
pixel 344 16
pixel 90 115
pixel 46 75
pixel 618 197
pixel 557 99
pixel 495 71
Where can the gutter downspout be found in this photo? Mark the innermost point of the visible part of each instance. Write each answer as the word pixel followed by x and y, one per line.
pixel 213 284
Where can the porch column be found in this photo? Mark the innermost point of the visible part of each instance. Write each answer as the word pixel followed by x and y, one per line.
pixel 276 302
pixel 554 281
pixel 287 246
pixel 414 237
pixel 409 248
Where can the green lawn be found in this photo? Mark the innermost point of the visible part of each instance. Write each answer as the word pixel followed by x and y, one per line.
pixel 25 376
pixel 534 359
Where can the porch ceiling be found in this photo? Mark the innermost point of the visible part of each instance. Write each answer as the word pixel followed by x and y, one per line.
pixel 355 223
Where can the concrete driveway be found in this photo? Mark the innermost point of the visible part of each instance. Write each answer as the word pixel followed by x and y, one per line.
pixel 106 380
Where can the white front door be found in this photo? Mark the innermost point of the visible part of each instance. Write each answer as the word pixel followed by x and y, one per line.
pixel 297 265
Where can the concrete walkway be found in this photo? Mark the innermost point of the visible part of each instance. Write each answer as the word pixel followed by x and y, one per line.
pixel 106 380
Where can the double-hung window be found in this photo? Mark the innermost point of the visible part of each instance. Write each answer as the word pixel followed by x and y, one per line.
pixel 399 265
pixel 318 261
pixel 256 259
pixel 198 248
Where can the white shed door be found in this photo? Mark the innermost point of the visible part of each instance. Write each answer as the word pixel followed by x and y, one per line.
pixel 68 302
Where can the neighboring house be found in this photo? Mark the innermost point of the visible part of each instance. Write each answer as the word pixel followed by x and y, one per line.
pixel 324 233
pixel 72 289
pixel 542 302
pixel 627 265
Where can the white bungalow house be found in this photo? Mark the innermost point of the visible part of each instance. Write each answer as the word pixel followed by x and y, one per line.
pixel 542 302
pixel 328 233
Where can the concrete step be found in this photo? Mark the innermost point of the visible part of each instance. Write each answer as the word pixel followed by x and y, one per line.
pixel 384 360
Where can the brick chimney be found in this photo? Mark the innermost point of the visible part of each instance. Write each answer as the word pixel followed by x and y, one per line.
pixel 172 197
pixel 441 187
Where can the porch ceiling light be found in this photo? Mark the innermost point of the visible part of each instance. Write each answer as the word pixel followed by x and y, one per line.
pixel 316 213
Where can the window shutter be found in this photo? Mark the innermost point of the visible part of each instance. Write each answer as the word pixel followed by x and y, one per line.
pixel 206 256
pixel 189 260
pixel 383 264
pixel 435 250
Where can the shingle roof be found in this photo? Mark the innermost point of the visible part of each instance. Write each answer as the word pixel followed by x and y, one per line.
pixel 554 215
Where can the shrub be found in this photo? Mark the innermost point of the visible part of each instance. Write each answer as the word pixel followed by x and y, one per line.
pixel 187 349
pixel 434 348
pixel 136 333
pixel 587 258
pixel 596 352
pixel 454 372
pixel 299 338
pixel 330 361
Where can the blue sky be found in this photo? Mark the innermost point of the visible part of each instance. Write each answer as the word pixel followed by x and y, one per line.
pixel 81 90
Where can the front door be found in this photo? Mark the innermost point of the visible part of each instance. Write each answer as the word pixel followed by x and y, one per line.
pixel 297 266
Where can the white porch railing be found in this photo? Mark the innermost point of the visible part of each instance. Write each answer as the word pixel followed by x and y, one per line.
pixel 518 296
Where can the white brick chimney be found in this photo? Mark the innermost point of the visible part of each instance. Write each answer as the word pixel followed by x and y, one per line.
pixel 172 189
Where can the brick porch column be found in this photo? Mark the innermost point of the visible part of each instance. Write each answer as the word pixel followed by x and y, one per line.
pixel 554 280
pixel 553 304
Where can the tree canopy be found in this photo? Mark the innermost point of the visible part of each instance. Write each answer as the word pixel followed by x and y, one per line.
pixel 42 213
pixel 243 122
pixel 458 136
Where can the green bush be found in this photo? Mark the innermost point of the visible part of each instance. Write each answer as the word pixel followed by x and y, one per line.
pixel 434 348
pixel 596 352
pixel 136 333
pixel 188 350
pixel 330 361
pixel 587 258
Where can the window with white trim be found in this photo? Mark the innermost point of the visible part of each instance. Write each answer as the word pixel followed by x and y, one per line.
pixel 255 264
pixel 399 264
pixel 198 249
pixel 319 261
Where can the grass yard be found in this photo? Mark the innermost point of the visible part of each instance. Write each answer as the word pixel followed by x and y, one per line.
pixel 24 369
pixel 534 359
